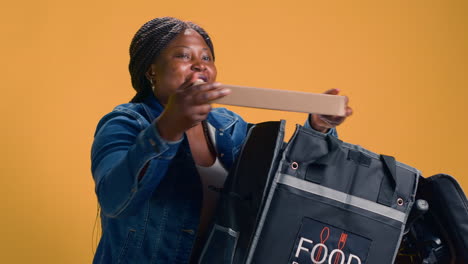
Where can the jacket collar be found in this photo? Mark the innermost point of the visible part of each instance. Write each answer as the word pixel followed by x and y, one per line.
pixel 154 104
pixel 220 120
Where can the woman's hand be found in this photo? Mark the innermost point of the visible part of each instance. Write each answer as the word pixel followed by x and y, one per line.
pixel 323 123
pixel 187 107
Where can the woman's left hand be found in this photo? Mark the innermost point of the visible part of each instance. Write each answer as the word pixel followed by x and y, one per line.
pixel 323 123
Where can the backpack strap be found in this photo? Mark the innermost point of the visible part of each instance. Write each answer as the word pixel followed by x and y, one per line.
pixel 389 185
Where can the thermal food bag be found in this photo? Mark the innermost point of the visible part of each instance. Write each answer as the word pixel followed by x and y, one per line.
pixel 314 199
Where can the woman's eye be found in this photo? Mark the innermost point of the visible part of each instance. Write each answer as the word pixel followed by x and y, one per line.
pixel 206 58
pixel 183 56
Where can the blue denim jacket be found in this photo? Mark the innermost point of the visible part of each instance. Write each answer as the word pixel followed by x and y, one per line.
pixel 154 218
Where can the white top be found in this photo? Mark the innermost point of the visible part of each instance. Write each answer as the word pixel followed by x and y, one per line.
pixel 212 178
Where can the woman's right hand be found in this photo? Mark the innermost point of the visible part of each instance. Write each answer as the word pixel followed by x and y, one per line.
pixel 187 107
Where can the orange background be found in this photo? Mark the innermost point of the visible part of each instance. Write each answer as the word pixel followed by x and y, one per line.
pixel 403 64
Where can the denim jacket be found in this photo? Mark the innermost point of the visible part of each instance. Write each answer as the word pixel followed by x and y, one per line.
pixel 148 189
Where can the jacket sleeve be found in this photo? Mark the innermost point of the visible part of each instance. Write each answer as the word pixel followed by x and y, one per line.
pixel 124 147
pixel 331 131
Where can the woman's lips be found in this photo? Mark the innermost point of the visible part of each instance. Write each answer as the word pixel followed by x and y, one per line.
pixel 203 78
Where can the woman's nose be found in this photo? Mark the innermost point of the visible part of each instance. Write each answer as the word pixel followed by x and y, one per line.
pixel 198 65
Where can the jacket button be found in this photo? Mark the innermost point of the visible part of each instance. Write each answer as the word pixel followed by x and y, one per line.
pixel 152 142
pixel 221 155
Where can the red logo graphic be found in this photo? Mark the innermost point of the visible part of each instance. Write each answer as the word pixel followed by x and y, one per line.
pixel 341 245
pixel 325 232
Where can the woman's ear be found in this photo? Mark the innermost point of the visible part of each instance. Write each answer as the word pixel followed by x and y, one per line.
pixel 150 73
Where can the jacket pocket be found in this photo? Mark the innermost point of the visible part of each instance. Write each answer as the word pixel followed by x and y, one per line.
pixel 220 246
pixel 126 244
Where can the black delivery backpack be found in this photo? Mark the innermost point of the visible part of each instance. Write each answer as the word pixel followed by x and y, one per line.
pixel 315 199
pixel 437 229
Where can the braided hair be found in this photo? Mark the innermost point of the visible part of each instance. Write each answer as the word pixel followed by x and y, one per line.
pixel 148 43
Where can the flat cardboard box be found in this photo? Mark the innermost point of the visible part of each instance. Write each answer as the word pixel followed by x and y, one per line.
pixel 284 100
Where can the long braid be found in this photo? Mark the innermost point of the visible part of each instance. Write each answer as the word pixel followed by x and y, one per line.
pixel 148 43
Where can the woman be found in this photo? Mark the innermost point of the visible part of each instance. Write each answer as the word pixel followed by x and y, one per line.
pixel 154 158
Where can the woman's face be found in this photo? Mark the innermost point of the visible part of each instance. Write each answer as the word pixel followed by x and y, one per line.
pixel 185 56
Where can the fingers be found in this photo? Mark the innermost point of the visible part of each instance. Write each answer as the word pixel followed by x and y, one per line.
pixel 201 93
pixel 324 122
pixel 190 87
pixel 206 92
pixel 333 91
pixel 205 97
pixel 331 121
pixel 194 102
pixel 348 111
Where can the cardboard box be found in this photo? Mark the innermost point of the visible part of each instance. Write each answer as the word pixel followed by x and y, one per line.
pixel 284 100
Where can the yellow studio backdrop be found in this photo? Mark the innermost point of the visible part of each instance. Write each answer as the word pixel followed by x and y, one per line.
pixel 404 65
